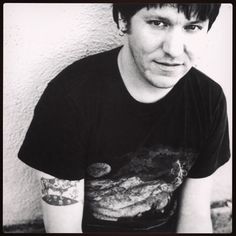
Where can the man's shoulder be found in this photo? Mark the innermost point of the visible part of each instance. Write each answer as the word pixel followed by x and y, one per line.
pixel 95 61
pixel 86 70
pixel 206 90
pixel 204 82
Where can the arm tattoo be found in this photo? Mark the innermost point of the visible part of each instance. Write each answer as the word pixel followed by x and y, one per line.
pixel 58 192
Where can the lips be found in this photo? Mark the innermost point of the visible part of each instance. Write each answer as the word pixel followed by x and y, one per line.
pixel 169 64
pixel 168 68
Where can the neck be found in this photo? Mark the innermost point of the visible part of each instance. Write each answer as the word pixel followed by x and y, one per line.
pixel 138 87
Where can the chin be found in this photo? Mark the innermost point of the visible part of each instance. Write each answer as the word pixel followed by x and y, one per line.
pixel 164 82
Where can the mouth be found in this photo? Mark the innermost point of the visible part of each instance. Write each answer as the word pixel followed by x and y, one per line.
pixel 169 64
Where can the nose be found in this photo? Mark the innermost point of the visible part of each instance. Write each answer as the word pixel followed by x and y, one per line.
pixel 173 44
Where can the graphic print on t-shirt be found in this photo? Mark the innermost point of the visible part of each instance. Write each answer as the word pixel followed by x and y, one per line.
pixel 141 186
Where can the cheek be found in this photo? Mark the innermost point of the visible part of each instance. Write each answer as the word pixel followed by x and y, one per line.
pixel 148 41
pixel 140 48
pixel 153 42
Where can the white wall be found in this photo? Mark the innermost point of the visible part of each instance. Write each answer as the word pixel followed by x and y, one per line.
pixel 42 39
pixel 219 53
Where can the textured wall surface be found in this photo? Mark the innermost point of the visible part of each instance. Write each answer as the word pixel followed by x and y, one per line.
pixel 42 39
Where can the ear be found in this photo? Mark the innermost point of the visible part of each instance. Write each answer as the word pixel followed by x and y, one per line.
pixel 121 22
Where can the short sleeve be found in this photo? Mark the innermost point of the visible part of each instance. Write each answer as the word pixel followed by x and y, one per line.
pixel 215 151
pixel 56 139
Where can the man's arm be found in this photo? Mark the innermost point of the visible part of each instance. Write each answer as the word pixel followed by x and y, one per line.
pixel 194 212
pixel 62 203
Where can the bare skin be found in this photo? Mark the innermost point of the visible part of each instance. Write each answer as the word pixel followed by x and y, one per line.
pixel 62 204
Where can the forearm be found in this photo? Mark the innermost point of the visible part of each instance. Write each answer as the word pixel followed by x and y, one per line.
pixel 194 211
pixel 62 203
pixel 194 223
pixel 63 220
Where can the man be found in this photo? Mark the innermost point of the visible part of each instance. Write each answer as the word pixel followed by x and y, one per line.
pixel 128 140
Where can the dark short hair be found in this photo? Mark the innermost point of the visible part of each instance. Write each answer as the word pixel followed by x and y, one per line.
pixel 202 11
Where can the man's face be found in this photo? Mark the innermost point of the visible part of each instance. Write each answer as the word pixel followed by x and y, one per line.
pixel 163 44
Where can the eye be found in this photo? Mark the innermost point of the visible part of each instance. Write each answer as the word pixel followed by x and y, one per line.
pixel 157 23
pixel 193 28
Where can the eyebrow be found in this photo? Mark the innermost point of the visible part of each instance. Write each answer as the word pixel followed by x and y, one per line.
pixel 158 18
pixel 169 21
pixel 196 22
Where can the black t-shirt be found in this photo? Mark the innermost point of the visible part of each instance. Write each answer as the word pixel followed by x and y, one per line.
pixel 134 156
